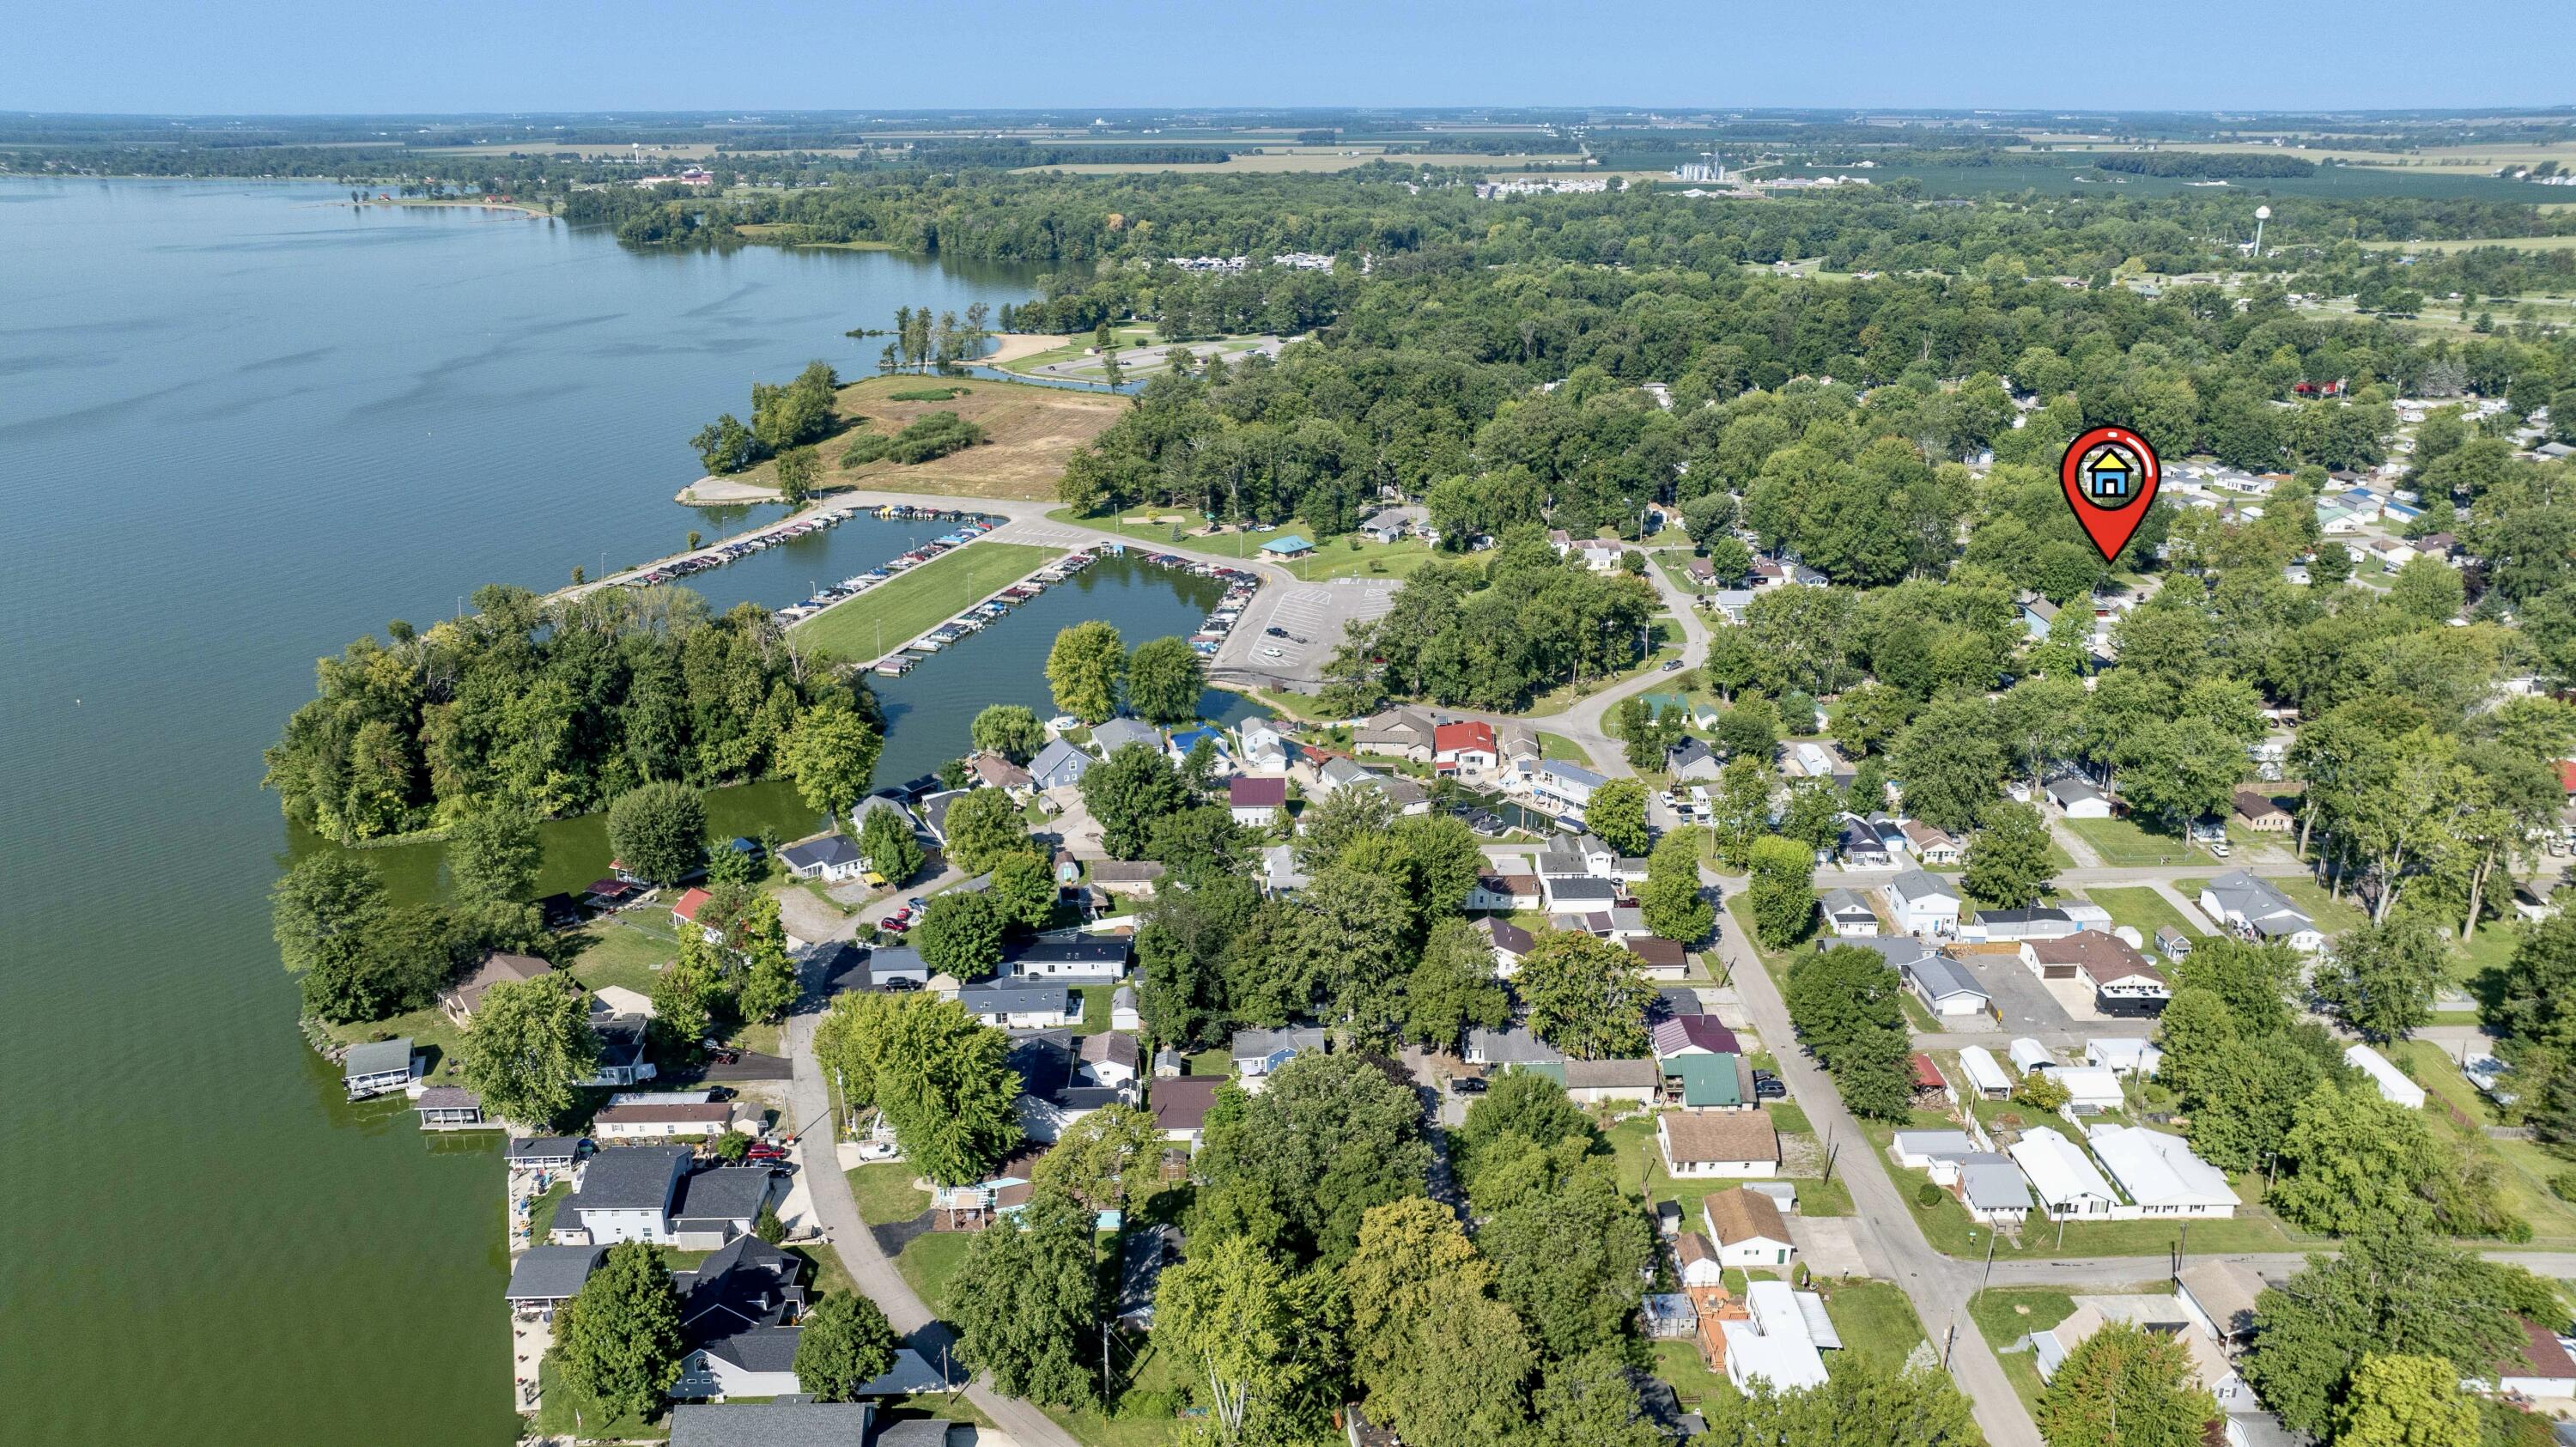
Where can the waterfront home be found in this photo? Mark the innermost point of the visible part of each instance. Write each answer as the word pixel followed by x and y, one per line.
pixel 831 858
pixel 621 1052
pixel 646 1120
pixel 1264 747
pixel 1058 766
pixel 1570 785
pixel 933 809
pixel 544 1153
pixel 451 1107
pixel 684 912
pixel 1256 803
pixel 1747 1228
pixel 2253 909
pixel 1184 742
pixel 1505 893
pixel 1717 1143
pixel 990 770
pixel 496 967
pixel 1118 733
pixel 791 1424
pixel 647 1193
pixel 378 1067
pixel 883 800
pixel 545 1277
pixel 1576 893
pixel 738 1314
pixel 1403 733
pixel 1014 1003
pixel 1465 748
pixel 1180 1107
pixel 1923 904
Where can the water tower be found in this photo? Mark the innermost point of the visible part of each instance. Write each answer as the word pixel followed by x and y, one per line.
pixel 2261 215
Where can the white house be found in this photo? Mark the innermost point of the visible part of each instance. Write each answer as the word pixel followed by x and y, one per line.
pixel 1255 803
pixel 1778 1339
pixel 1016 1003
pixel 1726 1143
pixel 2063 1177
pixel 2078 799
pixel 1568 784
pixel 2254 909
pixel 2028 1055
pixel 1985 1076
pixel 831 858
pixel 1505 893
pixel 1848 915
pixel 2394 1086
pixel 2160 1175
pixel 1945 987
pixel 1696 1262
pixel 1746 1228
pixel 1923 904
pixel 1265 748
pixel 2123 1054
pixel 2089 1089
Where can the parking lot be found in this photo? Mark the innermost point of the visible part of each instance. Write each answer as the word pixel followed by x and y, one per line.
pixel 2026 1006
pixel 1311 617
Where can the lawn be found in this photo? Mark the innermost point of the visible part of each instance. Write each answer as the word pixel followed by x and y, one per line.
pixel 1953 1232
pixel 903 608
pixel 1641 1170
pixel 2006 1316
pixel 1356 557
pixel 1666 637
pixel 2523 1168
pixel 825 1274
pixel 567 1412
pixel 930 1261
pixel 1151 1380
pixel 541 1211
pixel 886 1193
pixel 1158 526
pixel 1029 432
pixel 2123 844
pixel 1677 1362
pixel 2141 909
pixel 1876 1322
pixel 1095 1009
pixel 1562 749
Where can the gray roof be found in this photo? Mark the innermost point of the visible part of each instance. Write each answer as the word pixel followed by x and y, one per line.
pixel 828 849
pixel 1573 773
pixel 759 1349
pixel 911 1372
pixel 727 1193
pixel 2259 902
pixel 1513 1046
pixel 1279 869
pixel 1993 1183
pixel 376 1057
pixel 1844 901
pixel 773 1424
pixel 1058 756
pixel 2075 790
pixel 552 1273
pixel 924 1432
pixel 1119 732
pixel 628 1178
pixel 1581 888
pixel 1262 1044
pixel 1939 976
pixel 1898 950
pixel 1011 995
pixel 545 1148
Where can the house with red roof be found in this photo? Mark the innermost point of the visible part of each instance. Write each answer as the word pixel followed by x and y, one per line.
pixel 1256 802
pixel 684 913
pixel 1464 748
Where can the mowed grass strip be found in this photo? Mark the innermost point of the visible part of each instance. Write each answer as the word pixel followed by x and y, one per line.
pixel 903 608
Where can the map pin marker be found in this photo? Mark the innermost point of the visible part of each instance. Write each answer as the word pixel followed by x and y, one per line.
pixel 2111 474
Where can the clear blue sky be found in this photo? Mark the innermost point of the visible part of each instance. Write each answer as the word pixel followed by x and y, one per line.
pixel 308 56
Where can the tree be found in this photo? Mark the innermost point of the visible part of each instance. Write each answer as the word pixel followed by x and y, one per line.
pixel 983 829
pixel 325 912
pixel 1128 792
pixel 1584 995
pixel 2395 1292
pixel 1442 1361
pixel 961 933
pixel 1617 815
pixel 1296 1166
pixel 1859 1405
pixel 1009 730
pixel 2331 566
pixel 2396 1400
pixel 2125 1387
pixel 1256 1335
pixel 2355 1162
pixel 1025 889
pixel 1327 829
pixel 1452 987
pixel 1782 891
pixel 769 983
pixel 659 831
pixel 1674 905
pixel 798 469
pixel 1083 668
pixel 845 1343
pixel 942 1081
pixel 495 854
pixel 1591 1401
pixel 1572 1259
pixel 889 846
pixel 1026 1302
pixel 1100 1158
pixel 684 994
pixel 1164 680
pixel 618 1339
pixel 2379 980
pixel 1843 1003
pixel 831 753
pixel 1952 764
pixel 2008 857
pixel 1348 946
pixel 529 1047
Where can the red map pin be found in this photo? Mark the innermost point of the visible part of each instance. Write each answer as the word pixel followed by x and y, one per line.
pixel 2110 475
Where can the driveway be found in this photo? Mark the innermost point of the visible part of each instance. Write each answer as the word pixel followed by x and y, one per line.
pixel 1827 1245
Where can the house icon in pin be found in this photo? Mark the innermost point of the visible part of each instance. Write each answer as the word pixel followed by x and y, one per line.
pixel 2109 479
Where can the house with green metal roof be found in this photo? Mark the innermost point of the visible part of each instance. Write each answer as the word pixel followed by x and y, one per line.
pixel 1291 546
pixel 1709 1082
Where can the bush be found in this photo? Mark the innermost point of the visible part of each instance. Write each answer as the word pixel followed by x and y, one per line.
pixel 2563 1185
pixel 733 1146
pixel 934 434
pixel 1148 1406
pixel 865 448
pixel 1928 1195
pixel 928 394
pixel 768 1227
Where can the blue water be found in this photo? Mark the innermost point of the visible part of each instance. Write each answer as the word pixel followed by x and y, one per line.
pixel 243 424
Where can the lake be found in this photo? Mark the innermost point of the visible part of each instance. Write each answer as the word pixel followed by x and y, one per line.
pixel 245 424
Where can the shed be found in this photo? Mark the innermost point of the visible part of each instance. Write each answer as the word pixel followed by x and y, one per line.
pixel 2394 1086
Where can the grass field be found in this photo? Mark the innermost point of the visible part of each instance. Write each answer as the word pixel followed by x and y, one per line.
pixel 2122 843
pixel 1029 431
pixel 901 609
pixel 1559 747
pixel 930 1261
pixel 1876 1322
pixel 2141 909
pixel 2519 243
pixel 563 1411
pixel 2006 1316
pixel 1339 559
pixel 2523 1168
pixel 886 1193
pixel 1641 1169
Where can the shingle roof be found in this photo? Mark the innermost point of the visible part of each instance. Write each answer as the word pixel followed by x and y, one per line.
pixel 1682 1032
pixel 1742 1215
pixel 728 1193
pixel 376 1057
pixel 552 1273
pixel 1726 1135
pixel 628 1178
pixel 773 1424
pixel 1249 793
pixel 1183 1103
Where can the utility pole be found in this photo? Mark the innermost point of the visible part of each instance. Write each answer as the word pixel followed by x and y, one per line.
pixel 1830 1127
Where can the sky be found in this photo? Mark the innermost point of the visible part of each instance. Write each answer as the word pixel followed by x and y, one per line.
pixel 168 57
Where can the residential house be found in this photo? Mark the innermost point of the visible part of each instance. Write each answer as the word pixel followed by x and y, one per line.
pixel 1506 893
pixel 1059 765
pixel 1933 846
pixel 933 809
pixel 1996 925
pixel 1985 1076
pixel 1747 1229
pixel 1338 774
pixel 684 912
pixel 1677 1035
pixel 1256 1053
pixel 1576 893
pixel 1730 604
pixel 831 858
pixel 1118 733
pixel 1185 742
pixel 2077 799
pixel 2160 1174
pixel 543 1153
pixel 1109 1058
pixel 1699 1144
pixel 2090 1090
pixel 647 1193
pixel 2393 1084
pixel 2219 1297
pixel 989 770
pixel 378 1067
pixel 1403 733
pixel 1692 761
pixel 2122 981
pixel 1848 915
pixel 2172 943
pixel 1923 904
pixel 1385 525
pixel 1015 1003
pixel 1256 803
pixel 1180 1106
pixel 738 1314
pixel 1279 872
pixel 1126 877
pixel 1776 1340
pixel 1944 986
pixel 1659 959
pixel 1072 958
pixel 790 1424
pixel 1569 785
pixel 2542 1371
pixel 663 1120
pixel 2065 1180
pixel 1578 855
pixel 2123 1055
pixel 622 1042
pixel 497 967
pixel 1710 1082
pixel 1591 1082
pixel 1511 1045
pixel 2256 811
pixel 2028 1055
pixel 1263 748
pixel 2255 910
pixel 545 1277
pixel 1993 1189
pixel 1695 1262
pixel 1518 744
pixel 1466 748
pixel 884 800
pixel 1055 1089
pixel 1862 846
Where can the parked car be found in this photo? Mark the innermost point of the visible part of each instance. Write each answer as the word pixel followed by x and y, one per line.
pixel 1468 1085
pixel 901 983
pixel 1272 653
pixel 1770 1089
pixel 1276 631
pixel 764 1151
pixel 724 1055
pixel 915 905
pixel 895 926
pixel 1672 664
